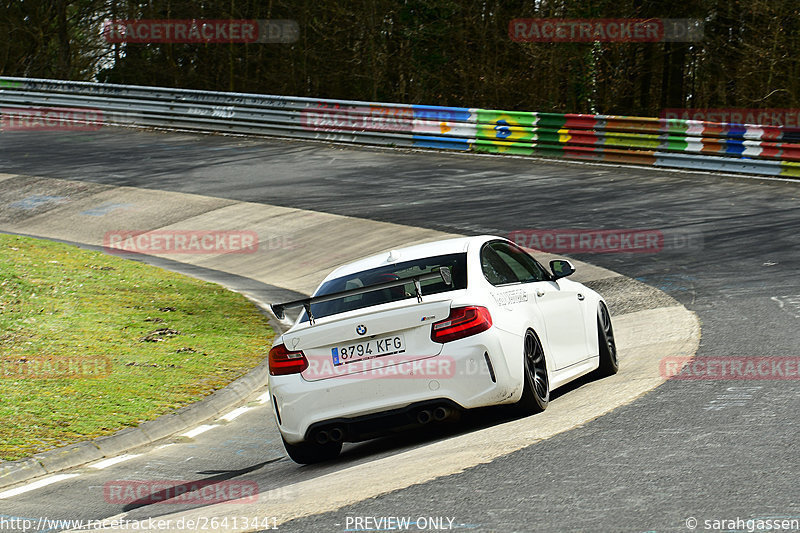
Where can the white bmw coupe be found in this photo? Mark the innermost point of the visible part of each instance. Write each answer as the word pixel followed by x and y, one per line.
pixel 413 336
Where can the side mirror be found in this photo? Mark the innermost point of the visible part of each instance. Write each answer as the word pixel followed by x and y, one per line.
pixel 561 268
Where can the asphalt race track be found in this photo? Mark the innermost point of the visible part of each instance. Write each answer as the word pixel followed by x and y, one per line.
pixel 708 450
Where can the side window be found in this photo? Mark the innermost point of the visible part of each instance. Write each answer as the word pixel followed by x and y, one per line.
pixel 509 264
pixel 495 269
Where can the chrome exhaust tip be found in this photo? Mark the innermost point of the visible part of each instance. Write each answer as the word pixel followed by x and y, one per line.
pixel 336 434
pixel 441 413
pixel 424 416
pixel 322 437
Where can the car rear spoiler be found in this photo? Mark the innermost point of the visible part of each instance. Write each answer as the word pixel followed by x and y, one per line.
pixel 442 273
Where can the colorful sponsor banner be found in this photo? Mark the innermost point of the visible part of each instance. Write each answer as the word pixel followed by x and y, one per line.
pixel 430 122
pixel 634 140
pixel 789 169
pixel 442 114
pixel 500 147
pixel 449 129
pixel 200 31
pixel 50 119
pixel 678 139
pixel 506 126
pixel 555 30
pixel 441 143
pixel 621 139
pixel 778 117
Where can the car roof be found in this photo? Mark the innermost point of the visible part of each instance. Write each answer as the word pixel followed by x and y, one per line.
pixel 409 253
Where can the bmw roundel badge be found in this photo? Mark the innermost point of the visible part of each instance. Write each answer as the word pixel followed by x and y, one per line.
pixel 361 329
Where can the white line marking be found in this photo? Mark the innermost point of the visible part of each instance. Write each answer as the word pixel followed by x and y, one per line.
pixel 165 446
pixel 113 461
pixel 264 398
pixel 792 300
pixel 35 485
pixel 196 431
pixel 235 413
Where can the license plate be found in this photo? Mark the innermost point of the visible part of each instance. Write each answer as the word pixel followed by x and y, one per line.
pixel 349 353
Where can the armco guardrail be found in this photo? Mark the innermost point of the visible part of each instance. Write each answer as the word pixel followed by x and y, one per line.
pixel 771 150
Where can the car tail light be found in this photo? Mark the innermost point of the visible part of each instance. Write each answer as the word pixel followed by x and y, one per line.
pixel 283 362
pixel 462 322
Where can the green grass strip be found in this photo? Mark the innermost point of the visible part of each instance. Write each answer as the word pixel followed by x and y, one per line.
pixel 81 354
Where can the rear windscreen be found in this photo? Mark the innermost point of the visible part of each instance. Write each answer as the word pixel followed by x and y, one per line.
pixel 398 271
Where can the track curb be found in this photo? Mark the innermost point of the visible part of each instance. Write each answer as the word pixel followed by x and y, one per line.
pixel 128 439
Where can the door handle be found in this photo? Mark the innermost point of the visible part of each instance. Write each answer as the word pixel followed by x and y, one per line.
pixel 539 293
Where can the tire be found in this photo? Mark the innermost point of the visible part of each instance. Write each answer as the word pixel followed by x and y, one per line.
pixel 306 453
pixel 609 365
pixel 536 390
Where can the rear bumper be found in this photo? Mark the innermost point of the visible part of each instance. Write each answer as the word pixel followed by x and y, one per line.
pixel 459 376
pixel 374 425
